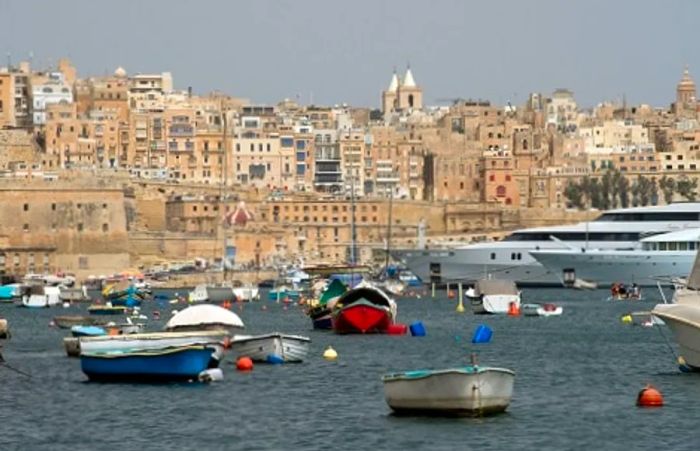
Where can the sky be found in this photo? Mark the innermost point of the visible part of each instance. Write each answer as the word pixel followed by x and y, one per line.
pixel 332 51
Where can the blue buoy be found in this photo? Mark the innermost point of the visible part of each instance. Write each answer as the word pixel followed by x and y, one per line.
pixel 482 334
pixel 274 358
pixel 417 329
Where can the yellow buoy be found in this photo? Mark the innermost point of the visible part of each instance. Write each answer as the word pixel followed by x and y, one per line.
pixel 460 307
pixel 627 319
pixel 330 353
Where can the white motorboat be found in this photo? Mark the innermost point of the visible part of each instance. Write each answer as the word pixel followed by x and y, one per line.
pixel 510 259
pixel 683 317
pixel 211 293
pixel 42 296
pixel 272 348
pixel 246 293
pixel 470 390
pixel 493 296
pixel 541 309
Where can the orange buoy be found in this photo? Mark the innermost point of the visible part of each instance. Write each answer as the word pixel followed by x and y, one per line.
pixel 650 397
pixel 451 294
pixel 513 309
pixel 244 364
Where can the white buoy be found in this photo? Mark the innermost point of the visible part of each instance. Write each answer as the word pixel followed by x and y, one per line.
pixel 211 375
pixel 330 353
pixel 66 304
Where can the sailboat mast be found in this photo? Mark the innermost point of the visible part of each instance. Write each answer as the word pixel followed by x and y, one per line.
pixel 223 183
pixel 388 231
pixel 353 231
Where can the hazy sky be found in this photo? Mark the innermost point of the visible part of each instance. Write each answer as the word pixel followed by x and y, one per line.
pixel 344 51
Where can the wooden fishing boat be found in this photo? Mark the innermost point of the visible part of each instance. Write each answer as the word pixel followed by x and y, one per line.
pixel 469 390
pixel 96 309
pixel 363 309
pixel 272 348
pixel 66 321
pixel 179 363
pixel 493 296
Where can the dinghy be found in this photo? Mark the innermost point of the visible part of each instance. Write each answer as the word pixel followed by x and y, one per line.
pixel 272 348
pixel 470 390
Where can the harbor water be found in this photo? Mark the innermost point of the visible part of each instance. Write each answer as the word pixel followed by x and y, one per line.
pixel 577 377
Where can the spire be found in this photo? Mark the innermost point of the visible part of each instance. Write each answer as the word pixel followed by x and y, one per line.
pixel 408 80
pixel 394 84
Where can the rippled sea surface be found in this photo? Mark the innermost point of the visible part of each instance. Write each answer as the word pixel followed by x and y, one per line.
pixel 577 377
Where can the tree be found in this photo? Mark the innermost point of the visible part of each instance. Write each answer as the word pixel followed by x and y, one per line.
pixel 606 190
pixel 668 187
pixel 687 188
pixel 623 191
pixel 595 191
pixel 575 194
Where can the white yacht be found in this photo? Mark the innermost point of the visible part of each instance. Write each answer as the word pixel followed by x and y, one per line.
pixel 660 258
pixel 510 258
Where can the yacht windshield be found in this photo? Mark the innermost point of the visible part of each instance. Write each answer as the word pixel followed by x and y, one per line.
pixel 573 236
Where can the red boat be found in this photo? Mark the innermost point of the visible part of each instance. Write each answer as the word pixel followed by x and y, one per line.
pixel 363 310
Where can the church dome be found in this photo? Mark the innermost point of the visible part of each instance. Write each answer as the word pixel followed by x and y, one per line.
pixel 120 72
pixel 686 83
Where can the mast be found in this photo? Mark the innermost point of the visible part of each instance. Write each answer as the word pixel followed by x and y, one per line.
pixel 388 231
pixel 222 187
pixel 353 231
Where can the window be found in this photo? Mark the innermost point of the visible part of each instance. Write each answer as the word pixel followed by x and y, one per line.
pixel 493 256
pixel 80 227
pixel 507 177
pixel 53 207
pixel 105 227
pixel 26 227
pixel 79 206
pixel 26 207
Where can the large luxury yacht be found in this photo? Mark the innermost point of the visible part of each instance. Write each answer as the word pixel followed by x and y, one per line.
pixel 510 258
pixel 660 258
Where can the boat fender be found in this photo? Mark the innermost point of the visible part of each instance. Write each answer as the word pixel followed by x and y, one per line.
pixel 482 334
pixel 211 375
pixel 330 353
pixel 244 364
pixel 683 366
pixel 274 359
pixel 417 329
pixel 513 309
pixel 650 397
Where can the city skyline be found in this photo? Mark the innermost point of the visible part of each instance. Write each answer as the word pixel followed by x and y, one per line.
pixel 325 54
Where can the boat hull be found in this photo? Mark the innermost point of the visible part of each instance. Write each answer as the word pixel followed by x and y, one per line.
pixel 155 341
pixel 178 364
pixel 362 318
pixel 104 310
pixel 470 265
pixel 66 322
pixel 272 348
pixel 605 267
pixel 539 310
pixel 684 322
pixel 246 294
pixel 462 391
pixel 496 304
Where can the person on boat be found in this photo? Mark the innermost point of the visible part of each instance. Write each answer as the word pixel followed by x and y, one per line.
pixel 623 291
pixel 615 290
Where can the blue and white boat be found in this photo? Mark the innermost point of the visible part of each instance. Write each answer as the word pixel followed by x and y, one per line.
pixel 87 331
pixel 215 339
pixel 10 292
pixel 181 363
